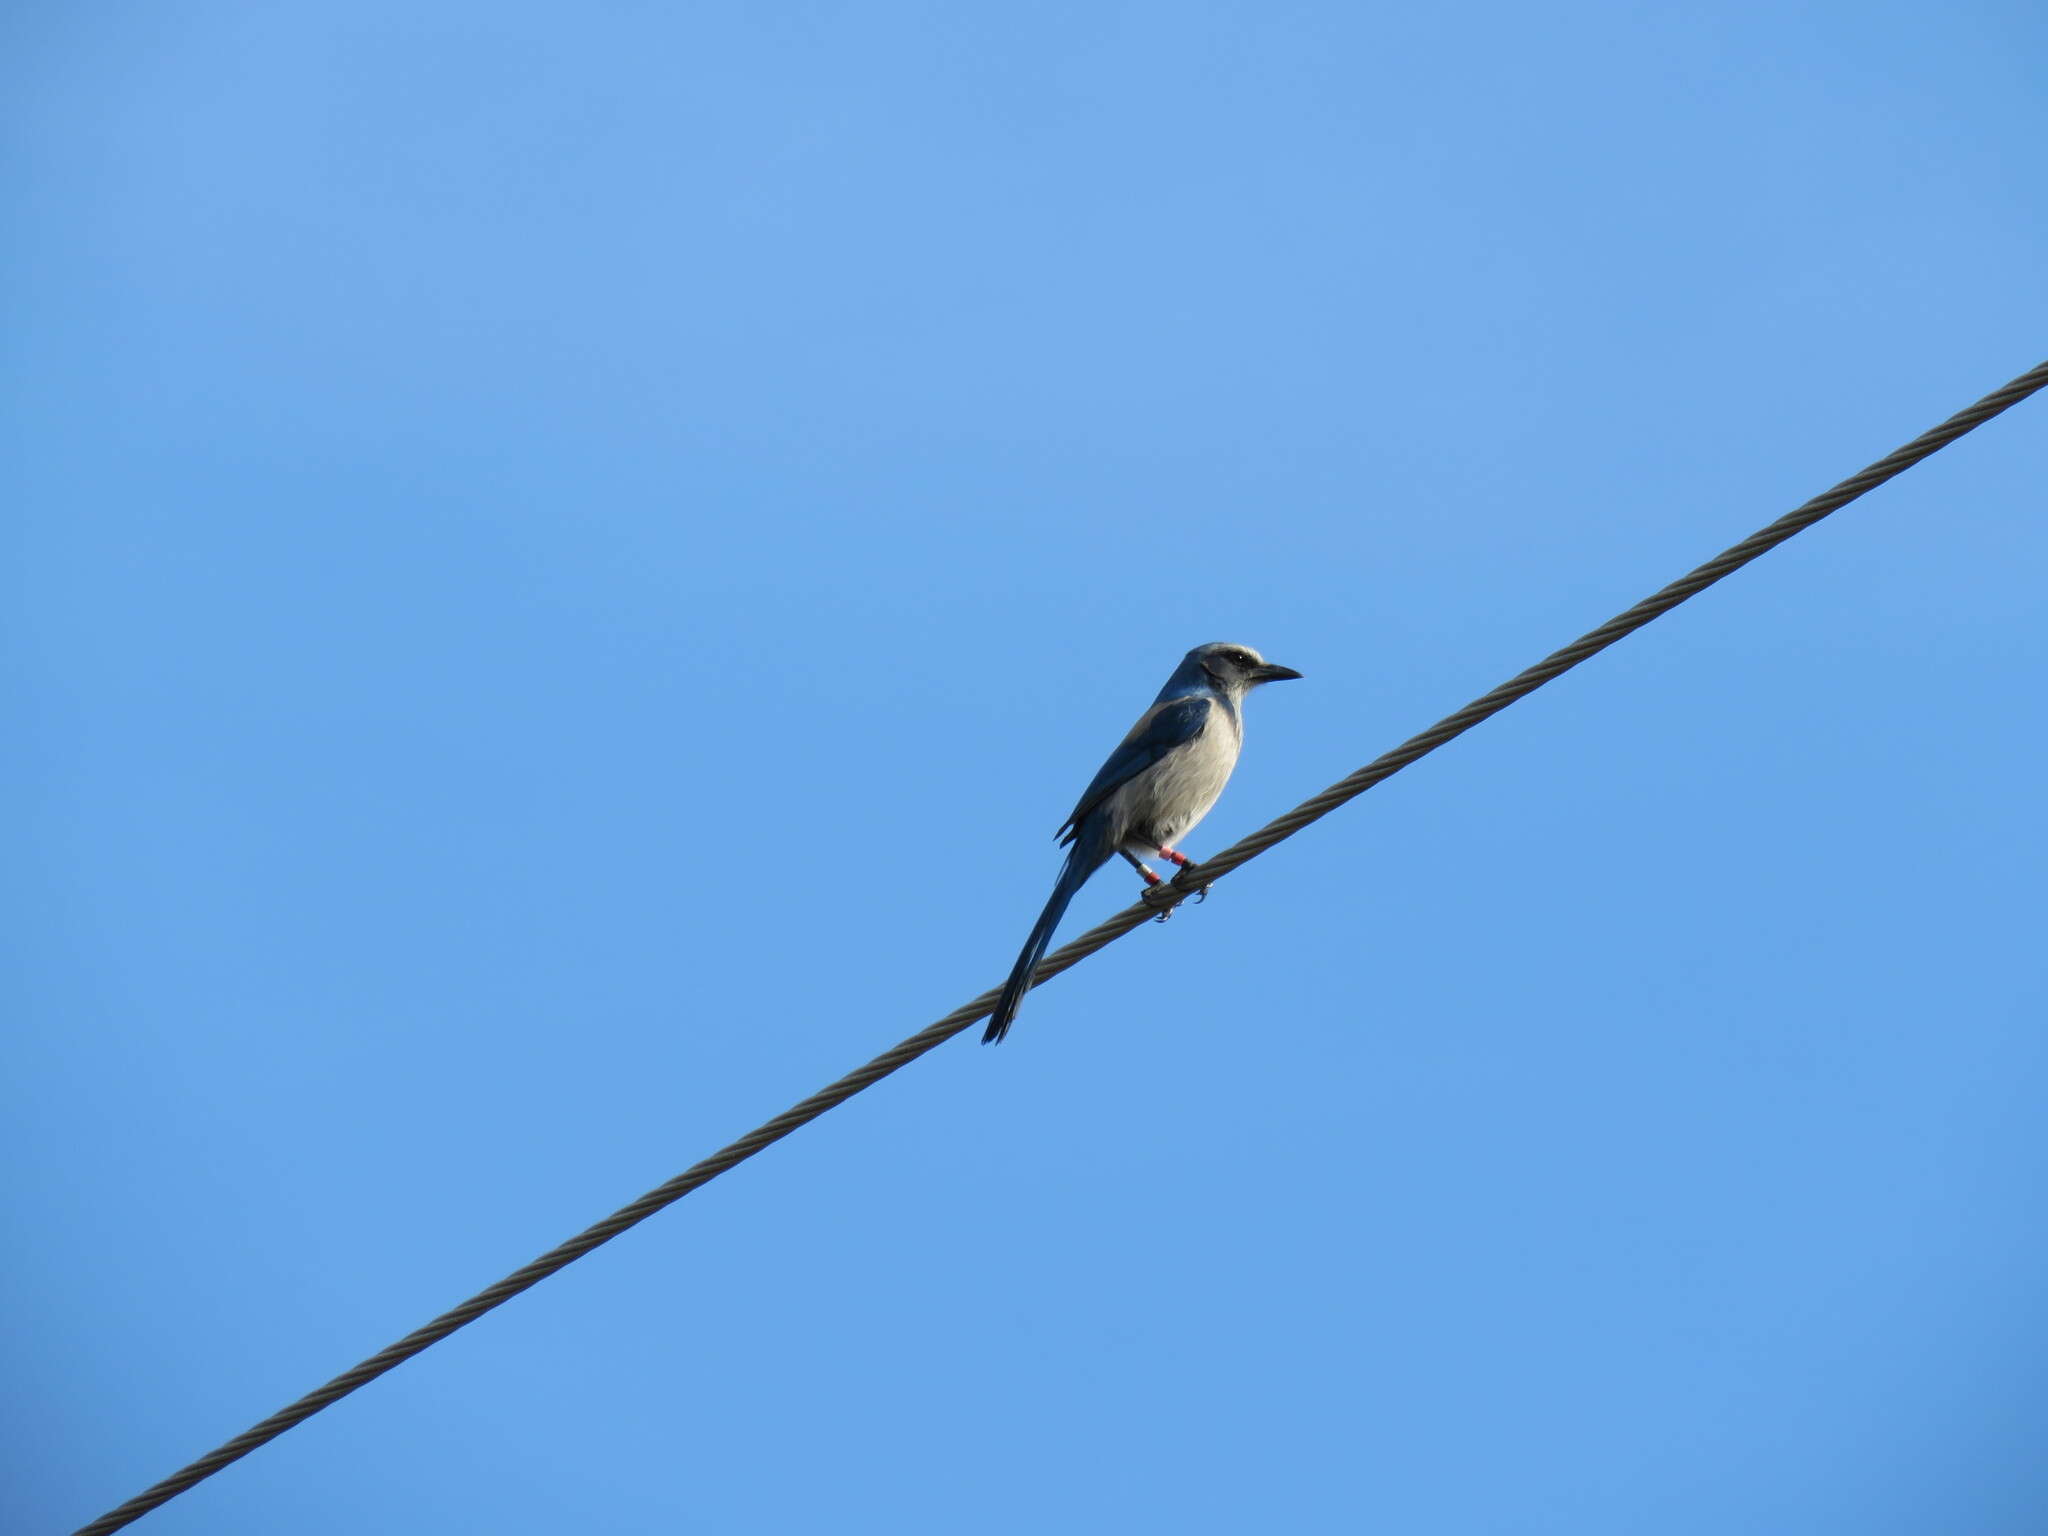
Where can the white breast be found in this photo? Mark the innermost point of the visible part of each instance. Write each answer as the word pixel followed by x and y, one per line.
pixel 1159 806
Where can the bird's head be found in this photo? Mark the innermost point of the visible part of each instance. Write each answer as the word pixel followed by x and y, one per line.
pixel 1235 669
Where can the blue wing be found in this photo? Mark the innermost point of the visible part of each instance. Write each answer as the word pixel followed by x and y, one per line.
pixel 1159 730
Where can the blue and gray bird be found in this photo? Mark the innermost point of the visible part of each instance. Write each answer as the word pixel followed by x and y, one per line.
pixel 1154 788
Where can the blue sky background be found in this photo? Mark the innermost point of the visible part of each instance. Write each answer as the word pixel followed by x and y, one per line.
pixel 567 561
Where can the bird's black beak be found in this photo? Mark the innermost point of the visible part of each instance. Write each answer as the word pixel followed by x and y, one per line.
pixel 1268 673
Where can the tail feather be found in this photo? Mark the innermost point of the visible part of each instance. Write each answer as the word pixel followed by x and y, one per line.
pixel 1080 865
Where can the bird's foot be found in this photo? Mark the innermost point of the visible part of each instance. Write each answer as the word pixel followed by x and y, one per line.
pixel 1151 880
pixel 1186 864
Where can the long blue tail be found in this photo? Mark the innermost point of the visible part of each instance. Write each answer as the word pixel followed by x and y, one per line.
pixel 1082 862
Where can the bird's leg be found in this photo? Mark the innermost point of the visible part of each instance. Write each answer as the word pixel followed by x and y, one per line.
pixel 1174 857
pixel 1151 878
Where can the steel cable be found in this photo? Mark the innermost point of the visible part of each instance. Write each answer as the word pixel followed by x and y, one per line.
pixel 1159 898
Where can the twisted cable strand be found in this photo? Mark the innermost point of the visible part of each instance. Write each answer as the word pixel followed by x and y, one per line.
pixel 1157 899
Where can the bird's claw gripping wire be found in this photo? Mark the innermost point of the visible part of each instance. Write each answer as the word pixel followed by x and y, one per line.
pixel 1152 882
pixel 1186 864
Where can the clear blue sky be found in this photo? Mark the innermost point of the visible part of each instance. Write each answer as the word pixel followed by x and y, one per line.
pixel 567 561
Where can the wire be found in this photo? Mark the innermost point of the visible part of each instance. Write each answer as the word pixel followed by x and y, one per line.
pixel 1157 899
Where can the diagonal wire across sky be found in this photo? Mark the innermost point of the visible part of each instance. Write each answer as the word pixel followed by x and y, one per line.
pixel 1158 899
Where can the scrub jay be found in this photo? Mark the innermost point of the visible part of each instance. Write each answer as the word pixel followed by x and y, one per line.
pixel 1155 786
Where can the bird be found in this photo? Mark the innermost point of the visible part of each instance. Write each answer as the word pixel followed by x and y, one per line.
pixel 1160 781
